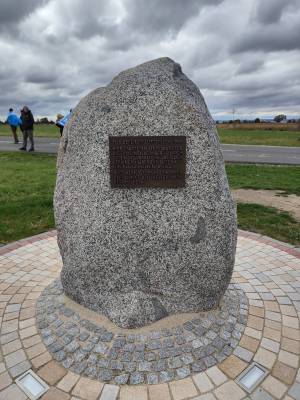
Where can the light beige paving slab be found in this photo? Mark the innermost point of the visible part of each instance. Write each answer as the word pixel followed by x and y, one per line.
pixel 203 383
pixel 87 389
pixel 68 381
pixel 274 387
pixel 216 375
pixel 233 366
pixel 159 392
pixel 229 391
pixel 52 372
pixel 133 393
pixel 265 357
pixel 12 392
pixel 183 389
pixel 284 373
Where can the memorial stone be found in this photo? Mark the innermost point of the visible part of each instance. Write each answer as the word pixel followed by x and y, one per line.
pixel 145 220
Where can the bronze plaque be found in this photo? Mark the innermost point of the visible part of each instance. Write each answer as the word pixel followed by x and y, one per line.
pixel 147 161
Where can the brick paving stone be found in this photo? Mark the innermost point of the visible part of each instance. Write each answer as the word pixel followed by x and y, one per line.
pixel 2 367
pixel 11 347
pixel 9 326
pixel 288 310
pixel 291 322
pixel 274 387
pixel 15 358
pixel 27 313
pixel 294 391
pixel 203 383
pixel 159 392
pixel 290 345
pixel 270 345
pixel 27 323
pixel 5 380
pixel 52 372
pixel 255 322
pixel 133 393
pixel 182 389
pixel 41 359
pixel 29 342
pixel 9 337
pixel 288 358
pixel 12 392
pixel 265 358
pixel 273 324
pixel 109 392
pixel 232 366
pixel 291 333
pixel 87 389
pixel 216 375
pixel 261 394
pixel 55 394
pixel 229 391
pixel 272 334
pixel 20 368
pixel 206 396
pixel 284 373
pixel 257 311
pixel 249 343
pixel 242 353
pixel 27 332
pixel 254 333
pixel 68 381
pixel 35 350
pixel 10 316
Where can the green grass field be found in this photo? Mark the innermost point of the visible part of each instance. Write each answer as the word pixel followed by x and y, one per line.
pixel 27 184
pixel 237 136
pixel 259 137
pixel 270 177
pixel 26 191
pixel 40 130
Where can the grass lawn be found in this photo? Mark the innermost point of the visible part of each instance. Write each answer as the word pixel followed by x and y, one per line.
pixel 40 130
pixel 237 136
pixel 27 184
pixel 269 221
pixel 270 177
pixel 259 137
pixel 26 190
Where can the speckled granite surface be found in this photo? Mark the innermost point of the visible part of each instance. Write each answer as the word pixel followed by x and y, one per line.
pixel 137 255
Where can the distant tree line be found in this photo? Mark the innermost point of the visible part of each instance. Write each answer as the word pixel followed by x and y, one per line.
pixel 278 118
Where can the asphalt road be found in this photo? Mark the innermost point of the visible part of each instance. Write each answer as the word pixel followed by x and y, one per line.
pixel 232 152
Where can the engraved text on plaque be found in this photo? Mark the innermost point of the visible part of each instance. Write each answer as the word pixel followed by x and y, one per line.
pixel 147 161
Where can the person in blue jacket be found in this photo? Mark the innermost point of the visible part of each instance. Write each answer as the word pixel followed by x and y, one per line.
pixel 63 122
pixel 13 121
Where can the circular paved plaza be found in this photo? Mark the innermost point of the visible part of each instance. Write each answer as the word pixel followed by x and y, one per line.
pixel 192 356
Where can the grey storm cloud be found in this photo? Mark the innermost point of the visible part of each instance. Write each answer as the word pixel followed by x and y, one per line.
pixel 270 11
pixel 167 16
pixel 244 54
pixel 12 11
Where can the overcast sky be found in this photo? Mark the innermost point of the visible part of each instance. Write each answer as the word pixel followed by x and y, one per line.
pixel 243 54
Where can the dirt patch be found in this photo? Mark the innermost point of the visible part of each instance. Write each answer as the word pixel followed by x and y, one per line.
pixel 270 198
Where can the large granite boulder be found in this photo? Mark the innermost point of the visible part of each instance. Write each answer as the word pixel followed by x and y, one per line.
pixel 138 255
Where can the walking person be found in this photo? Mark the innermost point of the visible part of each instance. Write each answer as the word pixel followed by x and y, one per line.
pixel 27 128
pixel 63 122
pixel 59 117
pixel 13 121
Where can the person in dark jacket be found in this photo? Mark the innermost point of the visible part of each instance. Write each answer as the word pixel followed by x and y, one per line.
pixel 27 128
